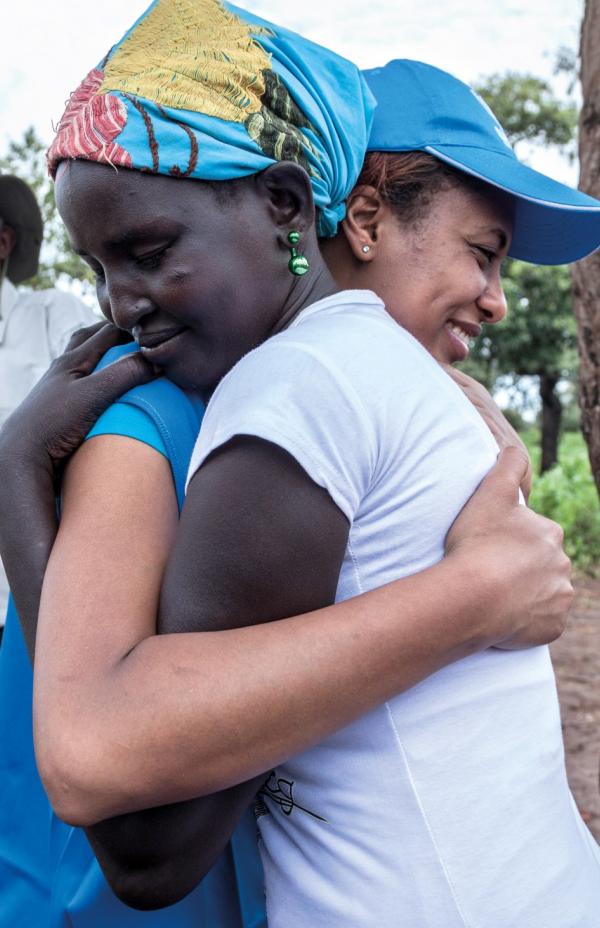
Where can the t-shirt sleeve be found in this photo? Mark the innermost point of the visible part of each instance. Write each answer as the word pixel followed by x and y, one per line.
pixel 296 397
pixel 131 422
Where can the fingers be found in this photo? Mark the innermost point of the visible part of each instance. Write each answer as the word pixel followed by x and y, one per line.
pixel 504 479
pixel 459 376
pixel 93 346
pixel 117 378
pixel 82 335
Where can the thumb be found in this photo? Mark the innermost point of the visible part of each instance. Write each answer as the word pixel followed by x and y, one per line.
pixel 497 493
pixel 502 483
pixel 122 375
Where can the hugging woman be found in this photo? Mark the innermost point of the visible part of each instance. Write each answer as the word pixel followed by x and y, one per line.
pixel 318 443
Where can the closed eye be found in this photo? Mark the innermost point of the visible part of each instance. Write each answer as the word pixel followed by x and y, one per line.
pixel 488 253
pixel 153 258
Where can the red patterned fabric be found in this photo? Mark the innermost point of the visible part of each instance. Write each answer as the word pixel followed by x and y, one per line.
pixel 89 126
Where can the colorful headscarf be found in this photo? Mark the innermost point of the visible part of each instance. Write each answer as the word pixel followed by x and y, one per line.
pixel 203 89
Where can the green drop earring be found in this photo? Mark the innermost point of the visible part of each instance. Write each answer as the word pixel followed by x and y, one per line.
pixel 298 264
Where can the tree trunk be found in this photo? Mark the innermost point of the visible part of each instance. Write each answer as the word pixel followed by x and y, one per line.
pixel 551 415
pixel 586 274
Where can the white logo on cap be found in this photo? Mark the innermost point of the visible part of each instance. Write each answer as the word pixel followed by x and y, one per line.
pixel 499 130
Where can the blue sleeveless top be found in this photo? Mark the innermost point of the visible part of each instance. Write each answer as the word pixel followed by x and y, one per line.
pixel 49 877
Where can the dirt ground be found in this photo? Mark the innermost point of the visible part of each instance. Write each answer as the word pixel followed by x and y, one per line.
pixel 576 659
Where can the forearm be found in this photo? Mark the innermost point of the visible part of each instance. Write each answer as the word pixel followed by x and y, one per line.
pixel 213 709
pixel 28 526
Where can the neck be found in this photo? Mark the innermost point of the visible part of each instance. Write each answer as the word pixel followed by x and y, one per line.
pixel 315 285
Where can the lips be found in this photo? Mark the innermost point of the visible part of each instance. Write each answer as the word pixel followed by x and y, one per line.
pixel 461 332
pixel 160 346
pixel 152 339
pixel 471 329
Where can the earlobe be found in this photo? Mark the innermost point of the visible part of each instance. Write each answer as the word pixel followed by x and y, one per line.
pixel 361 225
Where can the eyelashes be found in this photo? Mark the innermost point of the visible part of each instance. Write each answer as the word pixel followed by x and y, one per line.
pixel 487 253
pixel 153 259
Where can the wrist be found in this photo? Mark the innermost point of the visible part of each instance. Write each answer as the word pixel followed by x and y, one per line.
pixel 471 600
pixel 20 457
pixel 25 482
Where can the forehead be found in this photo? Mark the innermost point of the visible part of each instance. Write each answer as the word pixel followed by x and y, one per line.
pixel 480 209
pixel 100 203
pixel 87 183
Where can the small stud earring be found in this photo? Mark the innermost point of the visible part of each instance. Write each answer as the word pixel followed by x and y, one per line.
pixel 366 249
pixel 298 264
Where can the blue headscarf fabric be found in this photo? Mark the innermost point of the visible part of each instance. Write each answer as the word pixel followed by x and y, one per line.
pixel 203 89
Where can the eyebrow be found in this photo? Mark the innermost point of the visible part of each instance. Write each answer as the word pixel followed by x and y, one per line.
pixel 136 234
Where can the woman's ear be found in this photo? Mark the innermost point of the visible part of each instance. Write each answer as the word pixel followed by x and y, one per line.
pixel 288 192
pixel 364 212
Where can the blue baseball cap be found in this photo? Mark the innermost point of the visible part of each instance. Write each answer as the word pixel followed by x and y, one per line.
pixel 421 108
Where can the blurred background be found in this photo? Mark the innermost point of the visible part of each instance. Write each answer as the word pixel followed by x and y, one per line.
pixel 525 62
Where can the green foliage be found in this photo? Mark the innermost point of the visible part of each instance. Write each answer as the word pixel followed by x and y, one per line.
pixel 567 494
pixel 529 111
pixel 27 160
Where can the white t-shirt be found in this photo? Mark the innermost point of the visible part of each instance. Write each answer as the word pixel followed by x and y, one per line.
pixel 448 806
pixel 34 329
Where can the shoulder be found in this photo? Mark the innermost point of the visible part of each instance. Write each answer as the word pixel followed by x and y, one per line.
pixel 63 305
pixel 160 396
pixel 64 314
pixel 300 390
pixel 346 343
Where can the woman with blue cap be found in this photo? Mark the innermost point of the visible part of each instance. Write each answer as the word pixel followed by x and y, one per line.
pixel 126 250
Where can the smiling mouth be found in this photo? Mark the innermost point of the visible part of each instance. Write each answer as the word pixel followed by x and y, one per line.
pixel 463 334
pixel 460 333
pixel 149 341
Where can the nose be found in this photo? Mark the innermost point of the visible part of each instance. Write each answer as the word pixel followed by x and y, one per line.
pixel 127 305
pixel 492 301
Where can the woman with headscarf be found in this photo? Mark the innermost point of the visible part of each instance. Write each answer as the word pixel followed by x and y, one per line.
pixel 124 248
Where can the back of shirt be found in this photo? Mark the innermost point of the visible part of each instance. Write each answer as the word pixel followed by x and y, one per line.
pixel 447 806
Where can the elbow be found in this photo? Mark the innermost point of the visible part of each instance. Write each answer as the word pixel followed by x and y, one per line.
pixel 70 777
pixel 145 890
pixel 155 886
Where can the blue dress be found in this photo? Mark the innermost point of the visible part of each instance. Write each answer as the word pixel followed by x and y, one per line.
pixel 49 877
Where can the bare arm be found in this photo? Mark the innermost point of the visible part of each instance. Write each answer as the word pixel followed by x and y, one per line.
pixel 219 705
pixel 32 453
pixel 239 687
pixel 205 724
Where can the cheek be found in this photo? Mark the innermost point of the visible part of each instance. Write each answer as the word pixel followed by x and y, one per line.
pixel 103 301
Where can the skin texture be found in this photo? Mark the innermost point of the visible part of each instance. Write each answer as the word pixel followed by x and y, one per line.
pixel 253 724
pixel 444 270
pixel 180 267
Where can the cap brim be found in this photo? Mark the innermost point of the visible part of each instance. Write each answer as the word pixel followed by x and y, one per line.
pixel 553 224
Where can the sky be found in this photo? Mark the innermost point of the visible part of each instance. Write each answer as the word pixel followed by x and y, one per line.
pixel 47 48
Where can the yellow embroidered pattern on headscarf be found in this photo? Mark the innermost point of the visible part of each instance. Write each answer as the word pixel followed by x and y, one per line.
pixel 192 55
pixel 203 89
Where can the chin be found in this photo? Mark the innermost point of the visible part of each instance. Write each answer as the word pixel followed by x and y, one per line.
pixel 193 380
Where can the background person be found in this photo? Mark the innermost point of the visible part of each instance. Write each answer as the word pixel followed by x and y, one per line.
pixel 35 325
